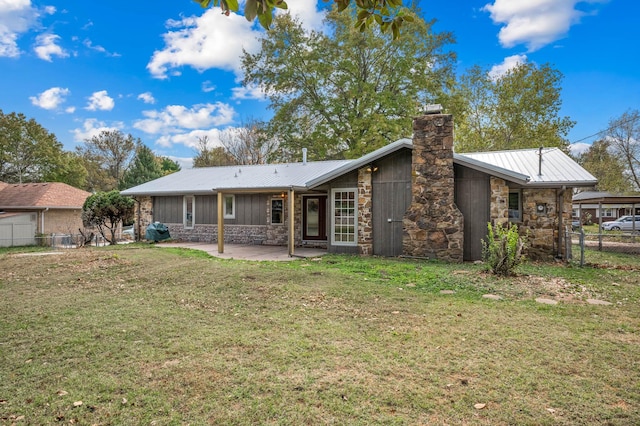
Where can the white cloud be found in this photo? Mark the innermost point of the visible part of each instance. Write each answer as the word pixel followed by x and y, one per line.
pixel 191 139
pixel 208 87
pixel 250 92
pixel 147 98
pixel 93 127
pixel 509 63
pixel 70 110
pixel 46 47
pixel 534 23
pixel 100 101
pixel 209 41
pixel 579 148
pixel 16 18
pixel 307 11
pixel 100 49
pixel 177 118
pixel 51 98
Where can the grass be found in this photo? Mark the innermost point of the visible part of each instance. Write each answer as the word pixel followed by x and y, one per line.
pixel 147 335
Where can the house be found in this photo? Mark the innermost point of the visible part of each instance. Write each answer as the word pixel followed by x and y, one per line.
pixel 413 197
pixel 600 206
pixel 27 209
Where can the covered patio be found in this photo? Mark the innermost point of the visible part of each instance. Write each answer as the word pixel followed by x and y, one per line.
pixel 250 251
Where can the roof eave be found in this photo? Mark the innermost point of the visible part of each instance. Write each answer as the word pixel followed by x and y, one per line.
pixel 491 169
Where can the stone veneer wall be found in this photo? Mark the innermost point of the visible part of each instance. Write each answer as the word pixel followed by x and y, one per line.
pixel 433 225
pixel 541 229
pixel 499 201
pixel 143 214
pixel 365 228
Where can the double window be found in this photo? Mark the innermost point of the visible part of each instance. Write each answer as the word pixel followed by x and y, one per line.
pixel 344 214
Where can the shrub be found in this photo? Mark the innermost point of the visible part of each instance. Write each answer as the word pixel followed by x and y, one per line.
pixel 502 250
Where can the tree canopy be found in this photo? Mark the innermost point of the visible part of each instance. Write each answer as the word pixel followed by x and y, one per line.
pixel 30 153
pixel 211 156
pixel 107 156
pixel 107 210
pixel 516 110
pixel 348 93
pixel 624 136
pixel 387 14
pixel 602 162
pixel 144 168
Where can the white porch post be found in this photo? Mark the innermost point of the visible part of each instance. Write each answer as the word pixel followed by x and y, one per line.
pixel 291 239
pixel 220 223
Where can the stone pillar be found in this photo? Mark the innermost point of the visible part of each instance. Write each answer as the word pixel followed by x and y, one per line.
pixel 499 201
pixel 365 225
pixel 433 226
pixel 143 214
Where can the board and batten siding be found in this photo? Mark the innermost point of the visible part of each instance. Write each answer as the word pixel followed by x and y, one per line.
pixel 250 209
pixel 473 198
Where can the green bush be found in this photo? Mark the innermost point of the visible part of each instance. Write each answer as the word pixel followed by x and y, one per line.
pixel 502 250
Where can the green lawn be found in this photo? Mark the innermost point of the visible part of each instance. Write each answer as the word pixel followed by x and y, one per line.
pixel 148 335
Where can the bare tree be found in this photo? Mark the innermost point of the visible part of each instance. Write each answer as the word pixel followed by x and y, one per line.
pixel 111 151
pixel 249 143
pixel 624 136
pixel 209 156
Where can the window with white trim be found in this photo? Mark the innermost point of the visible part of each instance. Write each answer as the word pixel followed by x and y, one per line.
pixel 229 206
pixel 189 208
pixel 277 211
pixel 515 206
pixel 344 216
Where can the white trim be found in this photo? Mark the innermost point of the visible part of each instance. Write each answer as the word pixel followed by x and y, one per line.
pixel 184 211
pixel 231 215
pixel 333 217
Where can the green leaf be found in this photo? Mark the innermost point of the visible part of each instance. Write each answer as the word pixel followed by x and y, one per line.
pixel 251 10
pixel 232 5
pixel 265 19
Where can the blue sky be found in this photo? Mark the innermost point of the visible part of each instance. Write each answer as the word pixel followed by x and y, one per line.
pixel 169 72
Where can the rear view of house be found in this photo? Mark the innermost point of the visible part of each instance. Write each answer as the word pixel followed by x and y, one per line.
pixel 413 197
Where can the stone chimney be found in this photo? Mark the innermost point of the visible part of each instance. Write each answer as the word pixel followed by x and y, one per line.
pixel 433 226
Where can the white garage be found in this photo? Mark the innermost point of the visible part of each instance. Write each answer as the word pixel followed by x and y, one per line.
pixel 17 229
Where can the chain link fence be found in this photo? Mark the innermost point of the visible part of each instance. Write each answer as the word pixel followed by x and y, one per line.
pixel 581 244
pixel 55 241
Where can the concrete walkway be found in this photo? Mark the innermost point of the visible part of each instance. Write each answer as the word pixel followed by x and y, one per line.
pixel 249 251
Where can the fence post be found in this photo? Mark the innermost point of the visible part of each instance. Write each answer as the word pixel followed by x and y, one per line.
pixel 581 247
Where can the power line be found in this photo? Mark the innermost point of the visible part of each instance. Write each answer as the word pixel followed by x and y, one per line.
pixel 630 119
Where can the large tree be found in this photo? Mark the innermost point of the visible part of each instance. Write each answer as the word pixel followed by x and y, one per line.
pixel 604 164
pixel 349 92
pixel 144 168
pixel 624 135
pixel 107 156
pixel 519 109
pixel 28 152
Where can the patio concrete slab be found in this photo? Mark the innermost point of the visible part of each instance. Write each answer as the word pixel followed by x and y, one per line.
pixel 250 251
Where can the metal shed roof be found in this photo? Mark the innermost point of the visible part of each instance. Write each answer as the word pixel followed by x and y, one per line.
pixel 556 168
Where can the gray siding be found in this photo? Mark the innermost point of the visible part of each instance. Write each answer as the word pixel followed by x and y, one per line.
pixel 251 209
pixel 167 209
pixel 206 210
pixel 473 198
pixel 391 197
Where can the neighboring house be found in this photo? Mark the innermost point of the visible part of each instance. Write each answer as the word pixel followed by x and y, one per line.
pixel 600 206
pixel 410 198
pixel 28 209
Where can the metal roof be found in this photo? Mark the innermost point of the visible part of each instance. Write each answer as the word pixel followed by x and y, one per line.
pixel 520 166
pixel 261 177
pixel 607 197
pixel 556 168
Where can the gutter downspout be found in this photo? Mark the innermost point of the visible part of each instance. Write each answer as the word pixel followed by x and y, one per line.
pixel 42 220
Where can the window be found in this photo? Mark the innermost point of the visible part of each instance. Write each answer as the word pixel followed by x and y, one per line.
pixel 515 206
pixel 229 206
pixel 188 219
pixel 277 211
pixel 344 217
